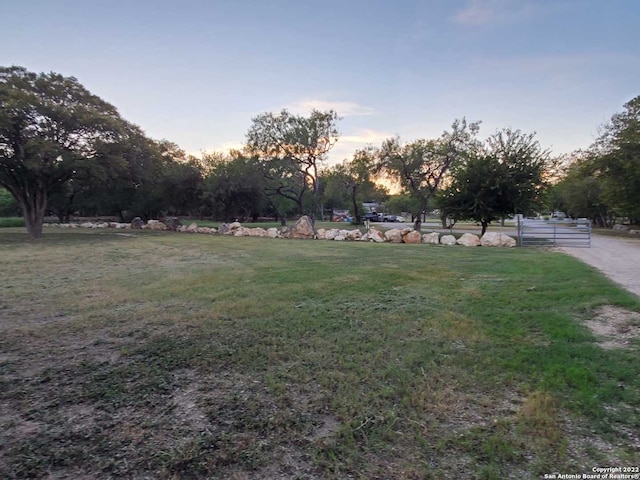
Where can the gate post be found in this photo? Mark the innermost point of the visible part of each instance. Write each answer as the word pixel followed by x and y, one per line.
pixel 519 232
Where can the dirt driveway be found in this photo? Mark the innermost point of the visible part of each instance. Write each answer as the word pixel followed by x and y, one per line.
pixel 617 258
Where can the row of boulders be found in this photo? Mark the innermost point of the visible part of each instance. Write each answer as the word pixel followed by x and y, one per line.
pixel 408 235
pixel 89 225
pixel 626 228
pixel 303 229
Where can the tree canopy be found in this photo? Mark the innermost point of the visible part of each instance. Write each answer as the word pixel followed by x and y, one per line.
pixel 422 165
pixel 616 160
pixel 503 177
pixel 355 177
pixel 579 194
pixel 603 183
pixel 290 149
pixel 50 127
pixel 233 187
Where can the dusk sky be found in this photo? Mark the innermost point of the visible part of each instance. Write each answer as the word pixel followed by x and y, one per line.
pixel 196 72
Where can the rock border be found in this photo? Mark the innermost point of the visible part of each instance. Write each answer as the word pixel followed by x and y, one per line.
pixel 303 229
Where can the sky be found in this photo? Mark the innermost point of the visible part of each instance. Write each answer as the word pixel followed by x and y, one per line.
pixel 196 72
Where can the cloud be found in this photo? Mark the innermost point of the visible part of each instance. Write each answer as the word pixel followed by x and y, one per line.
pixel 487 12
pixel 348 144
pixel 220 148
pixel 343 149
pixel 344 109
pixel 365 136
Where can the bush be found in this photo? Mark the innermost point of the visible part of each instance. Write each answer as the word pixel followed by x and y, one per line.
pixel 11 222
pixel 8 206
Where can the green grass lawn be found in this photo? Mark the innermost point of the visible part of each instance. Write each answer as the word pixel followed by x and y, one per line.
pixel 163 355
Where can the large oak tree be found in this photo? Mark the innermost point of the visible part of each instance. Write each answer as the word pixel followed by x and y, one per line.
pixel 50 126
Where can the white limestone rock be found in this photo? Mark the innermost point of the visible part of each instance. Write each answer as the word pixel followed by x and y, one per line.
pixel 497 239
pixel 469 240
pixel 303 228
pixel 448 240
pixel 394 235
pixel 431 238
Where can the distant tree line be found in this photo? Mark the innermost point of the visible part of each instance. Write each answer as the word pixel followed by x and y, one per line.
pixel 65 151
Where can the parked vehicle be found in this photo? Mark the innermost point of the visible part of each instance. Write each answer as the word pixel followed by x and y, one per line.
pixel 392 218
pixel 373 217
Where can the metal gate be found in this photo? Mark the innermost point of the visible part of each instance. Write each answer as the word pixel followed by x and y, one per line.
pixel 554 233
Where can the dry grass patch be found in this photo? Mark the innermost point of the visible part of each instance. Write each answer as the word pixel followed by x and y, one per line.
pixel 615 327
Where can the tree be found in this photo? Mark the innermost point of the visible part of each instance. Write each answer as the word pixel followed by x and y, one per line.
pixel 125 176
pixel 579 194
pixel 8 205
pixel 333 187
pixel 350 183
pixel 291 149
pixel 422 165
pixel 233 187
pixel 181 180
pixel 479 191
pixel 503 178
pixel 604 182
pixel 49 126
pixel 283 184
pixel 401 203
pixel 616 157
pixel 363 173
pixel 358 180
pixel 526 165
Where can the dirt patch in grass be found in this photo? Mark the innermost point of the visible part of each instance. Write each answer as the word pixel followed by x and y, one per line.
pixel 184 402
pixel 615 327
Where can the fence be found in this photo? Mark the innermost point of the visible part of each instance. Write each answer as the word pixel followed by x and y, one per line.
pixel 554 233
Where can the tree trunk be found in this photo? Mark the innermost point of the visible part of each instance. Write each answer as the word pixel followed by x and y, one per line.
pixel 484 224
pixel 34 207
pixel 300 206
pixel 354 200
pixel 417 225
pixel 69 208
pixel 33 200
pixel 418 222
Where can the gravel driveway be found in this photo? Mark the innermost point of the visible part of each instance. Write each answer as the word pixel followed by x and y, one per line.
pixel 617 258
